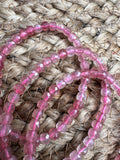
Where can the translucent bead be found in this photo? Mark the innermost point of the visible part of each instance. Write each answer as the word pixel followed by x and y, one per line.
pixel 33 74
pixel 1 65
pixel 96 125
pixel 73 112
pixel 60 28
pixel 42 105
pixel 68 78
pixel 10 44
pixel 62 53
pixel 76 42
pixel 105 92
pixel 44 138
pixel 81 96
pixel 4 141
pixel 30 30
pixel 5 50
pixel 39 67
pixel 19 88
pixel 66 31
pixel 72 37
pixel 6 153
pixel 29 148
pixel 60 84
pixel 13 97
pixel 34 124
pixel 67 119
pixel 106 100
pixel 104 109
pixel 29 157
pixel 25 80
pixel 93 133
pixel 6 118
pixel 61 127
pixel 45 26
pixel 76 75
pixel 88 142
pixel 53 89
pixel 37 28
pixel 47 96
pixel 100 117
pixel 4 130
pixel 70 51
pixel 82 150
pixel 53 26
pixel 17 39
pixel 9 107
pixel 117 157
pixel 78 105
pixel 55 58
pixel 37 113
pixel 53 133
pixel 31 136
pixel 74 155
pixel 2 57
pixel 46 61
pixel 23 34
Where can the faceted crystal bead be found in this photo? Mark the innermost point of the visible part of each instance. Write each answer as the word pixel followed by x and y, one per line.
pixel 76 75
pixel 61 127
pixel 47 96
pixel 45 26
pixel 31 136
pixel 29 157
pixel 53 89
pixel 4 130
pixel 62 53
pixel 105 91
pixel 60 84
pixel 74 155
pixel 67 119
pixel 93 133
pixel 104 109
pixel 17 39
pixel 10 44
pixel 30 30
pixel 29 148
pixel 33 74
pixel 37 28
pixel 34 124
pixel 2 58
pixel 100 117
pixel 54 134
pixel 9 107
pixel 25 80
pixel 68 78
pixel 96 125
pixel 60 28
pixel 66 31
pixel 19 88
pixel 23 34
pixel 46 61
pixel 39 67
pixel 78 104
pixel 6 118
pixel 88 142
pixel 55 58
pixel 13 97
pixel 70 51
pixel 37 113
pixel 42 104
pixel 81 149
pixel 81 96
pixel 44 138
pixel 72 37
pixel 106 100
pixel 5 50
pixel 73 112
pixel 53 26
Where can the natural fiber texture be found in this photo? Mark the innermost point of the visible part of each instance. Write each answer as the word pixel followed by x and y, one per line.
pixel 97 24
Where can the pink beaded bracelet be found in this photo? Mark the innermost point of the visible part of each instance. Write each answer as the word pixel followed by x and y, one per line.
pixel 31 140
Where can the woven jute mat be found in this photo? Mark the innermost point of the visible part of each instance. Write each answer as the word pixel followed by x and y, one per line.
pixel 97 24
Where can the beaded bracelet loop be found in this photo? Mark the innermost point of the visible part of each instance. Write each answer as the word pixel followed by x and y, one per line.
pixel 31 140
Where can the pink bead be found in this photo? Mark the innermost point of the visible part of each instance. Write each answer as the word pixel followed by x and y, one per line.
pixel 4 141
pixel 70 51
pixel 10 44
pixel 82 150
pixel 12 158
pixel 39 68
pixel 46 61
pixel 4 130
pixel 6 153
pixel 60 84
pixel 29 148
pixel 33 74
pixel 55 58
pixel 36 113
pixel 110 78
pixel 19 88
pixel 62 53
pixel 25 80
pixel 45 26
pixel 60 28
pixel 88 142
pixel 53 26
pixel 72 37
pixel 5 50
pixel 53 89
pixel 73 112
pixel 23 34
pixel 34 124
pixel 76 42
pixel 1 65
pixel 100 117
pixel 2 57
pixel 74 155
pixel 31 136
pixel 105 92
pixel 81 96
pixel 61 127
pixel 76 75
pixel 13 97
pixel 37 28
pixel 30 30
pixel 42 104
pixel 9 107
pixel 67 119
pixel 96 125
pixel 47 96
pixel 6 118
pixel 93 133
pixel 66 31
pixel 104 109
pixel 44 138
pixel 17 39
pixel 14 136
pixel 117 157
pixel 29 157
pixel 68 78
pixel 106 100
pixel 78 105
pixel 54 134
